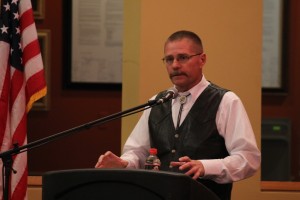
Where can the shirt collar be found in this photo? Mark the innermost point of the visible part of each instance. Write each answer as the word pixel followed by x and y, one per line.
pixel 197 89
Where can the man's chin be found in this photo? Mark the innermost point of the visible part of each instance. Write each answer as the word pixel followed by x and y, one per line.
pixel 179 85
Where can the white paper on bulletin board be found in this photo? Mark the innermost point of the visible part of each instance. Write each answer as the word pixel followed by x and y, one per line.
pixel 272 43
pixel 97 32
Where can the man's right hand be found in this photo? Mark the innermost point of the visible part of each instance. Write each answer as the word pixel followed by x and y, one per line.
pixel 110 160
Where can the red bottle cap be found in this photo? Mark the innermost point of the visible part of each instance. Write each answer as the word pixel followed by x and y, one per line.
pixel 153 151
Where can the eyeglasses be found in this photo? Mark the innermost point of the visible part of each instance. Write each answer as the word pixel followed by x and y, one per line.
pixel 181 58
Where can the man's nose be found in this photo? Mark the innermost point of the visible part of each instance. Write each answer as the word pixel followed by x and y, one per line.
pixel 175 64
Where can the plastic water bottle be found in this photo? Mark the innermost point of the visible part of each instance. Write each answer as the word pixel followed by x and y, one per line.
pixel 152 162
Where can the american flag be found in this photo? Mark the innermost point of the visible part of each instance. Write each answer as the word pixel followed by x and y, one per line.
pixel 22 82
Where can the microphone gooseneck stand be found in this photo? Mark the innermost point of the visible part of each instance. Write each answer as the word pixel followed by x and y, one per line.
pixel 7 156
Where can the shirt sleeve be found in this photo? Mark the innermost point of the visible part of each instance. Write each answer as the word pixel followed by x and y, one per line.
pixel 137 145
pixel 244 156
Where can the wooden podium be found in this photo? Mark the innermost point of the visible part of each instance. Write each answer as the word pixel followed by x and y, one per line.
pixel 116 184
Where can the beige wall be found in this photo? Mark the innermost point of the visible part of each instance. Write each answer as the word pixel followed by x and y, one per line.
pixel 232 35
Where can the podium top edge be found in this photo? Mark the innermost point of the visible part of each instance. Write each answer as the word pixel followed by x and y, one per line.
pixel 115 170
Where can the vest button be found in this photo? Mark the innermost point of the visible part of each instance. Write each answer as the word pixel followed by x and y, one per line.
pixel 170 166
pixel 176 135
pixel 173 151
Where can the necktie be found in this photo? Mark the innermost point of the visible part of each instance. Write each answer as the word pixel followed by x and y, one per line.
pixel 182 101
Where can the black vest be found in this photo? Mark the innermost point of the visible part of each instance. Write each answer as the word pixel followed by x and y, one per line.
pixel 197 137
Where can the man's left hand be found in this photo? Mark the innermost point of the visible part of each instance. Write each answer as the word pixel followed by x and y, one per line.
pixel 194 168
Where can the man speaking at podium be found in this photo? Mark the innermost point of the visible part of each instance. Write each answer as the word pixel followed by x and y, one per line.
pixel 204 132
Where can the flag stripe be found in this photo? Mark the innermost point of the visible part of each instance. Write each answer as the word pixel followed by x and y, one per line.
pixel 30 51
pixel 18 137
pixel 33 66
pixel 28 35
pixel 24 6
pixel 18 186
pixel 20 191
pixel 26 19
pixel 35 80
pixel 17 79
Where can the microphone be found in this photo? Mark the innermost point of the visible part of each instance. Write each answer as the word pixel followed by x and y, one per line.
pixel 171 93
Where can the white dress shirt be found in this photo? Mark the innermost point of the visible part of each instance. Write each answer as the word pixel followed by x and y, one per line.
pixel 233 125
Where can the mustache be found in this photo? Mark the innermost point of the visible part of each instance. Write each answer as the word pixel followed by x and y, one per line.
pixel 177 73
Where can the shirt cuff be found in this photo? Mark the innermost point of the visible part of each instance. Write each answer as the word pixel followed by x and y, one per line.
pixel 212 167
pixel 131 165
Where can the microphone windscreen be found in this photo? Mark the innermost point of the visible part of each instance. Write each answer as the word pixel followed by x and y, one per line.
pixel 174 91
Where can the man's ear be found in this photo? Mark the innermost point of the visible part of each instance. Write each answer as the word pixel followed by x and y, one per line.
pixel 202 59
